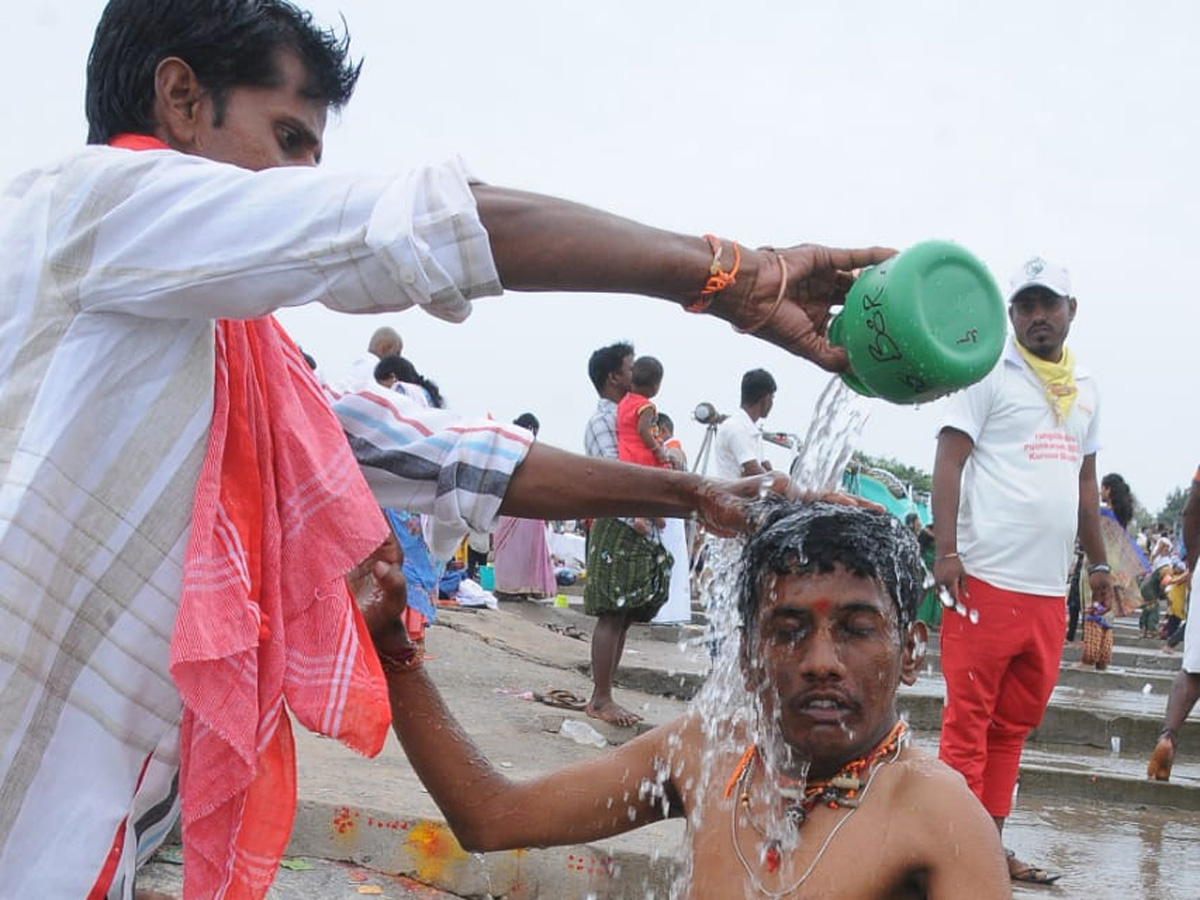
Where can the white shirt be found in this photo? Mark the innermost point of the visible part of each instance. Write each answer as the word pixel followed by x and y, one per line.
pixel 600 434
pixel 738 442
pixel 113 266
pixel 1019 506
pixel 359 375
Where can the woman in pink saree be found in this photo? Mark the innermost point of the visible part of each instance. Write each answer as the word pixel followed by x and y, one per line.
pixel 522 555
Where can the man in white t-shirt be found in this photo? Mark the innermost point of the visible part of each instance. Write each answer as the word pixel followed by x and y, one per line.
pixel 1013 481
pixel 737 451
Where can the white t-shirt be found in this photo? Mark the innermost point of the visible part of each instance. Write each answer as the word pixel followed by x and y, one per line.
pixel 359 375
pixel 738 442
pixel 1019 507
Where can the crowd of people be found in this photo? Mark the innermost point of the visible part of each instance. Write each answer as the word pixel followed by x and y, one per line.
pixel 204 540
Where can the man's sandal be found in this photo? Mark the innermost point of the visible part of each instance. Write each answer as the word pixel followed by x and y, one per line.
pixel 1027 874
pixel 562 700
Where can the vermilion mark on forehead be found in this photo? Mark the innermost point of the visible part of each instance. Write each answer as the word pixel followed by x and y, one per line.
pixel 822 606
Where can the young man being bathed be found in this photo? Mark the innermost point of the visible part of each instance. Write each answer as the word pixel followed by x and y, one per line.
pixel 817 792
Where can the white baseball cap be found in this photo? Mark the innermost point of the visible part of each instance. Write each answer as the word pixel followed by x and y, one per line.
pixel 1037 272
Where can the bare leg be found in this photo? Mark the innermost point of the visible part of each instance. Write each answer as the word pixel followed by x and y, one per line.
pixel 608 643
pixel 1185 691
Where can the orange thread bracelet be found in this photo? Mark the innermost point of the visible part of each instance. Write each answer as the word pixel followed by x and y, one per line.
pixel 718 278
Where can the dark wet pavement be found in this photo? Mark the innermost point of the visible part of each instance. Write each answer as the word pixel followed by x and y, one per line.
pixel 1107 852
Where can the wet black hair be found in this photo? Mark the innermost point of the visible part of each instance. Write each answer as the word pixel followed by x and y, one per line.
pixel 647 372
pixel 756 384
pixel 607 360
pixel 405 371
pixel 1120 498
pixel 228 44
pixel 794 538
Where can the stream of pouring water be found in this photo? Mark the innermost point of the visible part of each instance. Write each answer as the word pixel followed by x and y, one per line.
pixel 724 705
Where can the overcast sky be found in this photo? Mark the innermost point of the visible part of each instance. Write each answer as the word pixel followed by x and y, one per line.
pixel 1061 129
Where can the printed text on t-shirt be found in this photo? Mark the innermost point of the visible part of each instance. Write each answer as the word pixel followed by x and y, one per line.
pixel 1053 445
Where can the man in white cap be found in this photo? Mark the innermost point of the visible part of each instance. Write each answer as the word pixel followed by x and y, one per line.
pixel 1014 481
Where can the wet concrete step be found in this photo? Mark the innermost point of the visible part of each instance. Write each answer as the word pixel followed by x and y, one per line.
pixel 1090 710
pixel 1075 716
pixel 1088 773
pixel 298 878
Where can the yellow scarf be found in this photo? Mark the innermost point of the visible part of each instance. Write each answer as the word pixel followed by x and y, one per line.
pixel 1058 377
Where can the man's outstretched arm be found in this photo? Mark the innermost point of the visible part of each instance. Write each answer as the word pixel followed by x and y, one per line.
pixel 783 296
pixel 587 801
pixel 553 484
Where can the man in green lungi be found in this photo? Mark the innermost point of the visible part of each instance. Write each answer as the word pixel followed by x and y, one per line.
pixel 628 571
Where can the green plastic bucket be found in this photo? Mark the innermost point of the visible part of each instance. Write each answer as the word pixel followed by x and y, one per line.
pixel 921 325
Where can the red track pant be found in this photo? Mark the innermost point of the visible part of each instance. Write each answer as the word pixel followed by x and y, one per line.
pixel 999 674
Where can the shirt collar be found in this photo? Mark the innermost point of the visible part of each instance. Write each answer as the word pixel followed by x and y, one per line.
pixel 137 142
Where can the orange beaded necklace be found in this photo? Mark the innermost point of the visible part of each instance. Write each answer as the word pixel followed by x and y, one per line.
pixel 845 788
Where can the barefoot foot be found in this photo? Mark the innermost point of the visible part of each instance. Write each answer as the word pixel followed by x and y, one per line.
pixel 613 713
pixel 1162 760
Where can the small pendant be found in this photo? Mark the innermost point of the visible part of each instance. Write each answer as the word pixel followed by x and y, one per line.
pixel 796 814
pixel 772 857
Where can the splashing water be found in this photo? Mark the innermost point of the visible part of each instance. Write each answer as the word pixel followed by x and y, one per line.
pixel 724 704
pixel 836 423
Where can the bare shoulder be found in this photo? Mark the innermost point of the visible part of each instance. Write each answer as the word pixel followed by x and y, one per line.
pixel 952 835
pixel 925 784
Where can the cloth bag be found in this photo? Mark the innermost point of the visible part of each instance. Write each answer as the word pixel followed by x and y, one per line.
pixel 1097 640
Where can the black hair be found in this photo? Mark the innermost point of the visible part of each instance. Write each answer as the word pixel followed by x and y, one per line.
pixel 647 372
pixel 228 44
pixel 528 420
pixel 1120 498
pixel 405 371
pixel 756 384
pixel 607 360
pixel 665 422
pixel 796 538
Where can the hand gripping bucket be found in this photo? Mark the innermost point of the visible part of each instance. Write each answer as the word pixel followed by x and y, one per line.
pixel 921 325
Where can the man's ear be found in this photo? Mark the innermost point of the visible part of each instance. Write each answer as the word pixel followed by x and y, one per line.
pixel 915 640
pixel 178 105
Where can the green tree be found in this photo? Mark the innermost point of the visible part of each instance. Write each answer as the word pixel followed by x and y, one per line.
pixel 1172 511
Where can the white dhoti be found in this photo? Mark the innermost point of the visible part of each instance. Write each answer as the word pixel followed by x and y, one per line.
pixel 678 607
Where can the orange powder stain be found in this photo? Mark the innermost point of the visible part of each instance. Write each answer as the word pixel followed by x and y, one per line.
pixel 434 848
